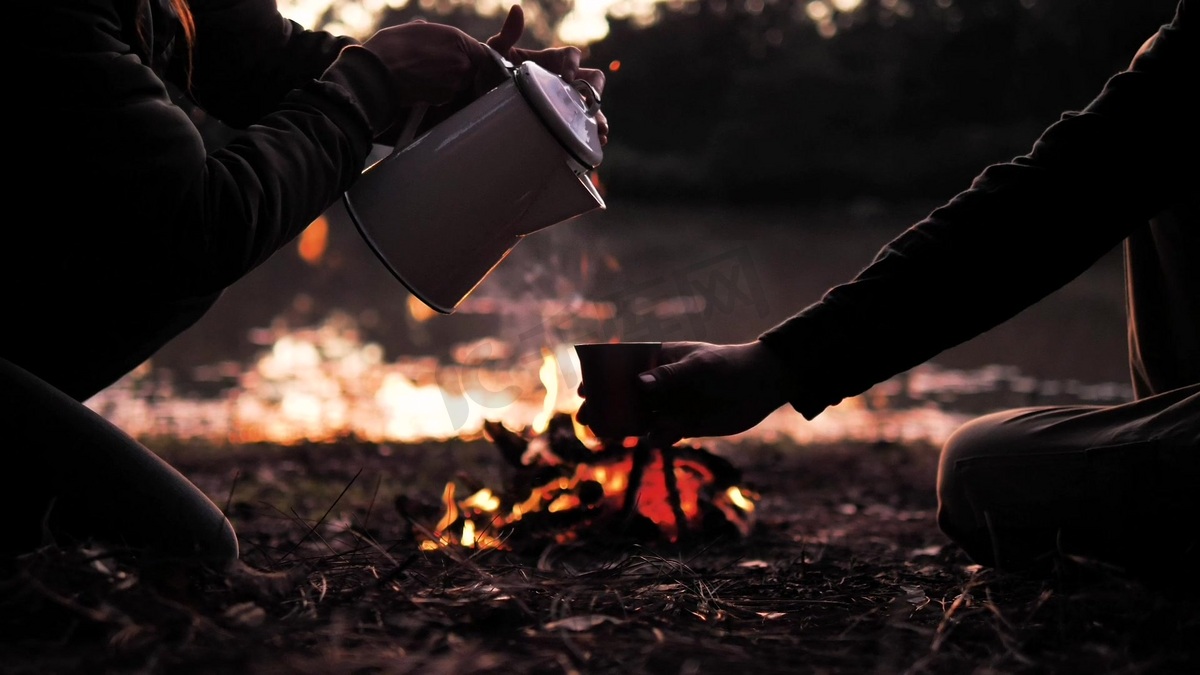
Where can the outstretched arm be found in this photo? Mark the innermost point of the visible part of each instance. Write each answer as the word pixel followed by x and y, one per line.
pixel 1023 229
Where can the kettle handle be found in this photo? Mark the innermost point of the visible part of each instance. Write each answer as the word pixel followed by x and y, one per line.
pixel 410 126
pixel 418 110
pixel 591 100
pixel 499 58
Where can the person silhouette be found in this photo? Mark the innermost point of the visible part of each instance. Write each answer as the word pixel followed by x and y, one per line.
pixel 153 217
pixel 1015 487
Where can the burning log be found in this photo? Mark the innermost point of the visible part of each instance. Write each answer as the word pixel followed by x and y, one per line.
pixel 563 491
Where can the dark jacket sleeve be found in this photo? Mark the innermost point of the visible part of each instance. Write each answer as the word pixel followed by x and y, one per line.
pixel 137 194
pixel 247 57
pixel 1023 229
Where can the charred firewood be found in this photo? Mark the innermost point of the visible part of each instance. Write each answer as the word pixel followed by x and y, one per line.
pixel 560 433
pixel 673 497
pixel 511 444
pixel 563 489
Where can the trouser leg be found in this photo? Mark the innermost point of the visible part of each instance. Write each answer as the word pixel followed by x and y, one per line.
pixel 1119 483
pixel 75 473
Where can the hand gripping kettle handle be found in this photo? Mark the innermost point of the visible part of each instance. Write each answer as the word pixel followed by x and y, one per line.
pixel 409 132
pixel 591 101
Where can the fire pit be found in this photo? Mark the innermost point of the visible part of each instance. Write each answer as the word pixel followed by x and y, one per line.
pixel 561 490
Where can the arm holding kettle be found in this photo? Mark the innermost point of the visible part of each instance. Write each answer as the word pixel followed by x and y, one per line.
pixel 443 67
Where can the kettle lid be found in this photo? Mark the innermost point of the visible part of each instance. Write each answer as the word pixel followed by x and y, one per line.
pixel 568 110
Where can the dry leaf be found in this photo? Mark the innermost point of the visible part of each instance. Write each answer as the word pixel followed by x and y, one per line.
pixel 581 622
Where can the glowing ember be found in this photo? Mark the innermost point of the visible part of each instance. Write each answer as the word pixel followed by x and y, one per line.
pixel 563 491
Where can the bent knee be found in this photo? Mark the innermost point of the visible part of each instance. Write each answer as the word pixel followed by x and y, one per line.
pixel 995 433
pixel 959 513
pixel 987 435
pixel 221 549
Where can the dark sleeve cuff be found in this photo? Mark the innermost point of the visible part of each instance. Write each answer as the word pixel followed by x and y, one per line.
pixel 369 83
pixel 807 392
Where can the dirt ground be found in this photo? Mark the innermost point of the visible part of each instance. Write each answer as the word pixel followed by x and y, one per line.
pixel 843 571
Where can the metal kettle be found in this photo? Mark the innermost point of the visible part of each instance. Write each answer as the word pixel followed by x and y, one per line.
pixel 446 207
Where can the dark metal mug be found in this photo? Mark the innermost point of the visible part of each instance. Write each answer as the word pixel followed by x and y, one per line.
pixel 609 372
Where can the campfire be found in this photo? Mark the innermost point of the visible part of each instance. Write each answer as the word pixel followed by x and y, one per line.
pixel 561 490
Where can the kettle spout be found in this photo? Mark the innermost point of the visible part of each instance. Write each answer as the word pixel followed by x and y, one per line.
pixel 563 196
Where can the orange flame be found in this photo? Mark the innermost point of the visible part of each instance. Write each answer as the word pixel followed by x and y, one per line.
pixel 314 241
pixel 670 498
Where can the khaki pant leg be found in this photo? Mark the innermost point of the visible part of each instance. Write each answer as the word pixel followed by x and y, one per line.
pixel 1119 483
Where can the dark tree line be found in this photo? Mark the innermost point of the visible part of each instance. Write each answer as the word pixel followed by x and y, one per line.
pixel 750 100
pixel 716 101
